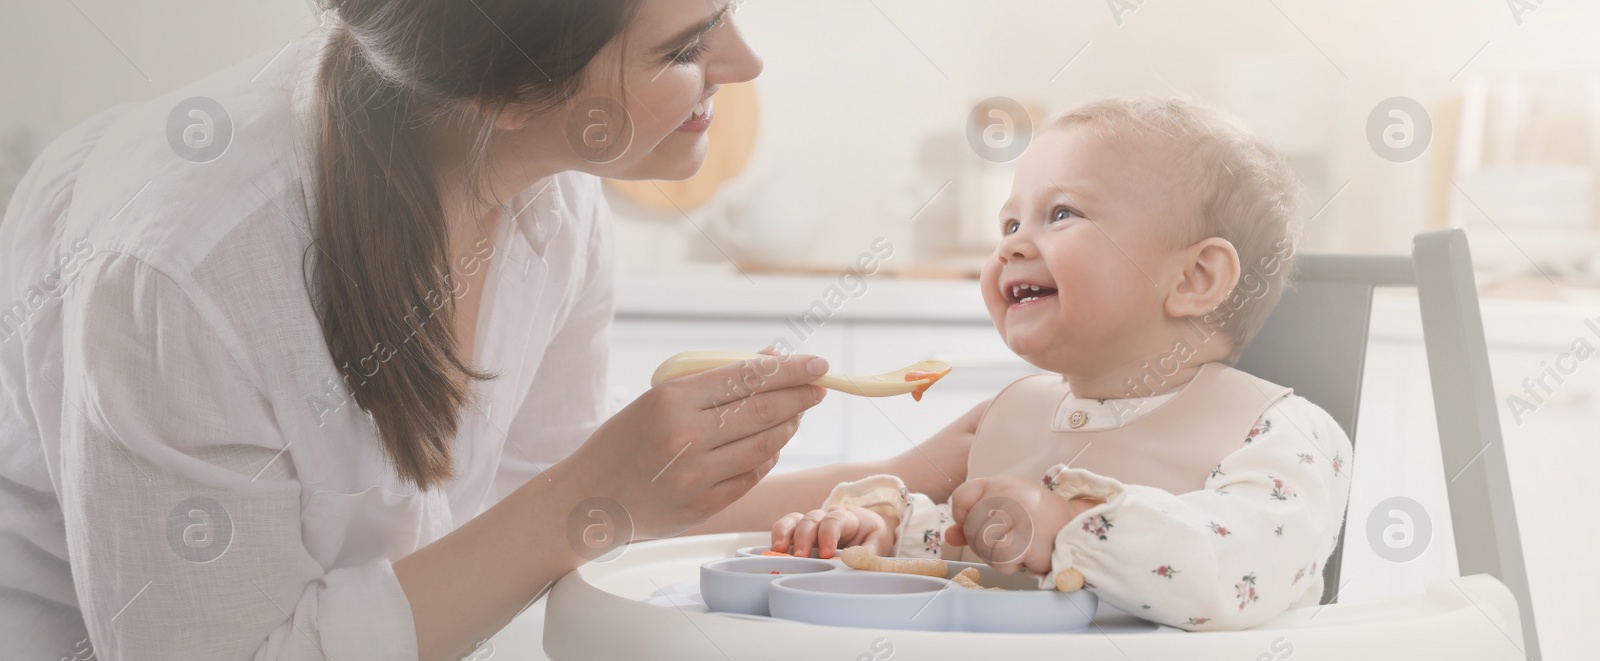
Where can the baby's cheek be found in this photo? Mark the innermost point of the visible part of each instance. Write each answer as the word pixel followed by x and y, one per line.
pixel 989 286
pixel 1102 291
pixel 996 308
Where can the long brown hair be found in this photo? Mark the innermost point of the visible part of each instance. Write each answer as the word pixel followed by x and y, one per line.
pixel 389 69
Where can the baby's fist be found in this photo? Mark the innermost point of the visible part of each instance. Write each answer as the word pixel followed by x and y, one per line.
pixel 1010 522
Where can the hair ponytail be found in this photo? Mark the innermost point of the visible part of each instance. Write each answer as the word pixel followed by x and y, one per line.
pixel 390 69
pixel 386 250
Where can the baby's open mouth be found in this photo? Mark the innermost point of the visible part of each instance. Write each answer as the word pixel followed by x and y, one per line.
pixel 1024 292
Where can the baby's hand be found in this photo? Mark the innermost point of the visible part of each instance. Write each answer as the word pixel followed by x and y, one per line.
pixel 832 528
pixel 1010 522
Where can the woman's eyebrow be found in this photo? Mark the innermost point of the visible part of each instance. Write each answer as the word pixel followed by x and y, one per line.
pixel 681 40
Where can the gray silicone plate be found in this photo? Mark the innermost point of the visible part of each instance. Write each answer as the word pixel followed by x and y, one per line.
pixel 758 550
pixel 740 585
pixel 852 598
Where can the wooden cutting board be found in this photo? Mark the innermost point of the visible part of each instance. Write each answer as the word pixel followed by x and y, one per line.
pixel 731 139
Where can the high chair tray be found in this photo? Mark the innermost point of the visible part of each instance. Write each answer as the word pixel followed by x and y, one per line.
pixel 637 606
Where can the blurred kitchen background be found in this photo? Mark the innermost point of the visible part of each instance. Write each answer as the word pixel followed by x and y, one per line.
pixel 858 139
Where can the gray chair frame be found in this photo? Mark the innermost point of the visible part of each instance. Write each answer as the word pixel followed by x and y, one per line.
pixel 1315 341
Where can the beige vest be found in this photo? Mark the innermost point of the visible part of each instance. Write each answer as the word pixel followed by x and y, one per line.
pixel 1173 447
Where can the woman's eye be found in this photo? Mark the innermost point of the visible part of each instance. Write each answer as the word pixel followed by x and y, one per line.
pixel 1062 213
pixel 1011 227
pixel 691 53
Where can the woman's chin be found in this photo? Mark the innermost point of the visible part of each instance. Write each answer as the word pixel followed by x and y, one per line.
pixel 681 170
pixel 668 163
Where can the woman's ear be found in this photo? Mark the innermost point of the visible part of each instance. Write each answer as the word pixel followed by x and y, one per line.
pixel 1210 272
pixel 510 118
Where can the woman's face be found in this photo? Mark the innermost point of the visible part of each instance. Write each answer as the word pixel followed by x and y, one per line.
pixel 646 101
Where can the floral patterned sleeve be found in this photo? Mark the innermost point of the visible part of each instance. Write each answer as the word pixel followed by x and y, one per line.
pixel 922 521
pixel 1244 549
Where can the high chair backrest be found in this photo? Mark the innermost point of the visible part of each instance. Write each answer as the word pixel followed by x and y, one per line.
pixel 1315 341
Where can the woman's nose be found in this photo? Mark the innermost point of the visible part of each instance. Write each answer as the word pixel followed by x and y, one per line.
pixel 738 62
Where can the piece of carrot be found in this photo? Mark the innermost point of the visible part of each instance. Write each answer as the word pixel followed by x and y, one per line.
pixel 772 552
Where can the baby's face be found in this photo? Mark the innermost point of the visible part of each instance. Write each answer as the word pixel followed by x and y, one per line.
pixel 1090 241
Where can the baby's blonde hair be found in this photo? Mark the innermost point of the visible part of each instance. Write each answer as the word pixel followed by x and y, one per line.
pixel 1245 192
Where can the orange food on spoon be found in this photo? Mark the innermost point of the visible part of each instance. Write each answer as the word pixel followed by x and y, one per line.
pixel 909 379
pixel 932 377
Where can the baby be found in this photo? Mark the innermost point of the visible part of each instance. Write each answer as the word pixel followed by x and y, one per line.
pixel 1142 246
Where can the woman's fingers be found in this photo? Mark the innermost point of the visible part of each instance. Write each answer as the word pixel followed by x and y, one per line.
pixel 743 398
pixel 747 453
pixel 673 437
pixel 733 488
pixel 760 412
pixel 731 469
pixel 721 386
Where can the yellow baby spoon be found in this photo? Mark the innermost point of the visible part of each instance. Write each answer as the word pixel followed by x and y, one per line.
pixel 914 378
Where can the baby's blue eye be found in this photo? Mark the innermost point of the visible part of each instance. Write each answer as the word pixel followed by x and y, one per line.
pixel 1062 213
pixel 1011 227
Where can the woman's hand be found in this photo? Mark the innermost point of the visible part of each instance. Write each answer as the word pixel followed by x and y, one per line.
pixel 690 446
pixel 1011 522
pixel 939 464
pixel 832 528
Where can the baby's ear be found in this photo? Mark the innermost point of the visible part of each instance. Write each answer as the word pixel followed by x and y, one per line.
pixel 1210 271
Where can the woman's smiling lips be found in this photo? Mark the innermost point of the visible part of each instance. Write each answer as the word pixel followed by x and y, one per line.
pixel 699 118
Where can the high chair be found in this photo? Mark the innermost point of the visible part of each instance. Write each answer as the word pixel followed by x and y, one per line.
pixel 1315 342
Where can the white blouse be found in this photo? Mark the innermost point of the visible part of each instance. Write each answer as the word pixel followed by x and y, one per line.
pixel 183 474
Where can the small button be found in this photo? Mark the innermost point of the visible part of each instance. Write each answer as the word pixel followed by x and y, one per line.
pixel 1078 418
